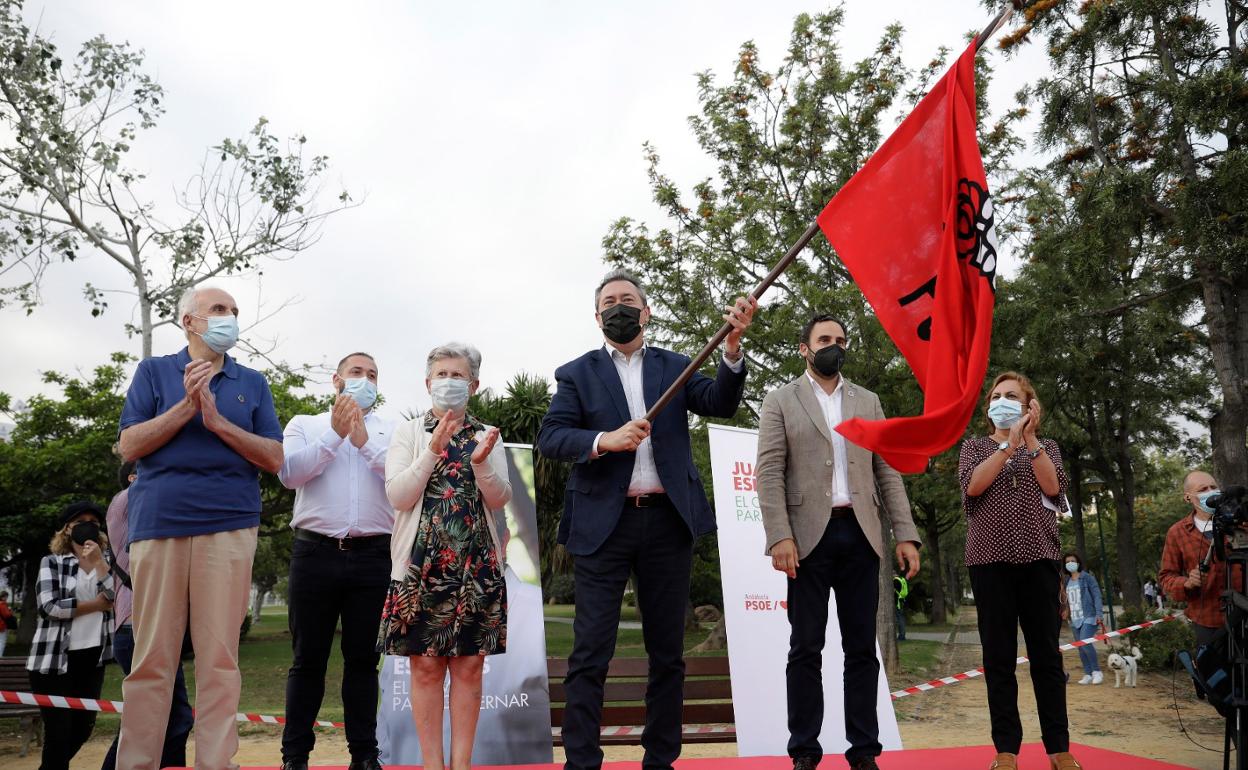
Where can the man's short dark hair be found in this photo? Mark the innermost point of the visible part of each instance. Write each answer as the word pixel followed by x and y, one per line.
pixel 349 356
pixel 620 274
pixel 818 319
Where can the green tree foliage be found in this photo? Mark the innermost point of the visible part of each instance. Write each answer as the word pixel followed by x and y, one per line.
pixel 1146 111
pixel 60 450
pixel 69 124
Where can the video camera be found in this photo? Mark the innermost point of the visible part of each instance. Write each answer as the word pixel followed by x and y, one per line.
pixel 1228 508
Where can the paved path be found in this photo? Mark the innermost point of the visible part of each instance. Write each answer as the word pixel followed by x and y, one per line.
pixel 628 624
pixel 960 637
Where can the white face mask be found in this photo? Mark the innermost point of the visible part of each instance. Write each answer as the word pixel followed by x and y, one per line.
pixel 449 394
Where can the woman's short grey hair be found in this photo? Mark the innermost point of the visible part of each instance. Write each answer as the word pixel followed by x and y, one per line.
pixel 620 274
pixel 455 350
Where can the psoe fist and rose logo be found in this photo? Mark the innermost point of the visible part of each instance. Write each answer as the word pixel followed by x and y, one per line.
pixel 764 603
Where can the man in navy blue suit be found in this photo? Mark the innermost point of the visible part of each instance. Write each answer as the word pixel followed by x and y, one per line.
pixel 634 505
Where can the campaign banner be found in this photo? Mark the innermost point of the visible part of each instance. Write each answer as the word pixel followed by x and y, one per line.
pixel 514 727
pixel 756 619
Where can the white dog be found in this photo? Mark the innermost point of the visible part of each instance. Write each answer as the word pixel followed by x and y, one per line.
pixel 1125 665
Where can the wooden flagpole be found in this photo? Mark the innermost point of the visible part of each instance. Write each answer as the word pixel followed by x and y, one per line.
pixel 696 363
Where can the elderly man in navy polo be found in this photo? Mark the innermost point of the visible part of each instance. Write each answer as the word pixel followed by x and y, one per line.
pixel 201 427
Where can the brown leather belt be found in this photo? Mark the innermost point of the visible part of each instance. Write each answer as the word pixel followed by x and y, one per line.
pixel 650 500
pixel 842 511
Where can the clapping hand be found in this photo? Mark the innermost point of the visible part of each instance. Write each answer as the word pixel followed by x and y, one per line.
pixel 340 417
pixel 208 407
pixel 1018 430
pixel 485 446
pixel 359 433
pixel 195 376
pixel 446 429
pixel 1033 419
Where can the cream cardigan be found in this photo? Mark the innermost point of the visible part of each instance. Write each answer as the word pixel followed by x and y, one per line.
pixel 409 463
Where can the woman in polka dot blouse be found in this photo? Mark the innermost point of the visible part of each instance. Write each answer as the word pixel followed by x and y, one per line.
pixel 1013 484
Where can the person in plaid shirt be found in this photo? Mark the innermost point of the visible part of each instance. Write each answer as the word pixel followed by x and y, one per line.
pixel 1187 544
pixel 74 638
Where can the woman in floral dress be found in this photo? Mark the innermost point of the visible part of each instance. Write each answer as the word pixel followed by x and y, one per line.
pixel 446 475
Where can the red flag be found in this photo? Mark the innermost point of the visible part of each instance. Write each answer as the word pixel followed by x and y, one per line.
pixel 914 227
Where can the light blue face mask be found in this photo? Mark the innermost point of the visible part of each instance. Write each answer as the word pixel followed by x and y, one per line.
pixel 1072 567
pixel 449 394
pixel 1004 413
pixel 362 389
pixel 1203 500
pixel 222 332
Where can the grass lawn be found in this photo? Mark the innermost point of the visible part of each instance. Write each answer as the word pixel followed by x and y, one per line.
pixel 920 659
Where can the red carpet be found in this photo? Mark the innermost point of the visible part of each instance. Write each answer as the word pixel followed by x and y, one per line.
pixel 968 758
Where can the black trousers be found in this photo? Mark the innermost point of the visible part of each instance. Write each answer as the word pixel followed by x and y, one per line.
pixel 65 730
pixel 1205 634
pixel 844 562
pixel 328 584
pixel 656 545
pixel 1008 596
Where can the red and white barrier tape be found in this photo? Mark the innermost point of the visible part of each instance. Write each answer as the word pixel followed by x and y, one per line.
pixel 962 677
pixel 116 707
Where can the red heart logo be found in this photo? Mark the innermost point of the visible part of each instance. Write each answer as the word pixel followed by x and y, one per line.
pixel 783 604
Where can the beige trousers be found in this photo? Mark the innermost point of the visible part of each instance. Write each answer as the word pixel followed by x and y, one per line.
pixel 204 580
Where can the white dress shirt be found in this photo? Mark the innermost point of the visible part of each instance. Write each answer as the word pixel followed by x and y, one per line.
pixel 831 406
pixel 645 478
pixel 340 491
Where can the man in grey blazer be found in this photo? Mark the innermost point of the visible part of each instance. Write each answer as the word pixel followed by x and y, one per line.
pixel 822 499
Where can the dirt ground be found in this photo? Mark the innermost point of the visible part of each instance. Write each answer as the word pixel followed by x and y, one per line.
pixel 1141 721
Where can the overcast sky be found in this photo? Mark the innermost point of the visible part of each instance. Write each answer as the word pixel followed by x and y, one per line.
pixel 492 143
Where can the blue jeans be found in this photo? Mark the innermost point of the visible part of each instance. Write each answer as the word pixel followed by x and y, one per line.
pixel 1087 653
pixel 181 720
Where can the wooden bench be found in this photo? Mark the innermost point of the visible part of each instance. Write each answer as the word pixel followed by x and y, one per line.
pixel 624 711
pixel 13 676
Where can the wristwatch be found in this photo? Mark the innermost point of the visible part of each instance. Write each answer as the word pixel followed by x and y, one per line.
pixel 1004 446
pixel 1036 453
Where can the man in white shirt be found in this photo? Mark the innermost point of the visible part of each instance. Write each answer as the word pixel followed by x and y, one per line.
pixel 340 564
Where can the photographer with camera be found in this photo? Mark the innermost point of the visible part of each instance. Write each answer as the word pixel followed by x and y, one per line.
pixel 1187 546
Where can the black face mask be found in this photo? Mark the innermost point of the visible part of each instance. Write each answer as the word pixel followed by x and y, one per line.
pixel 621 323
pixel 84 531
pixel 828 360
